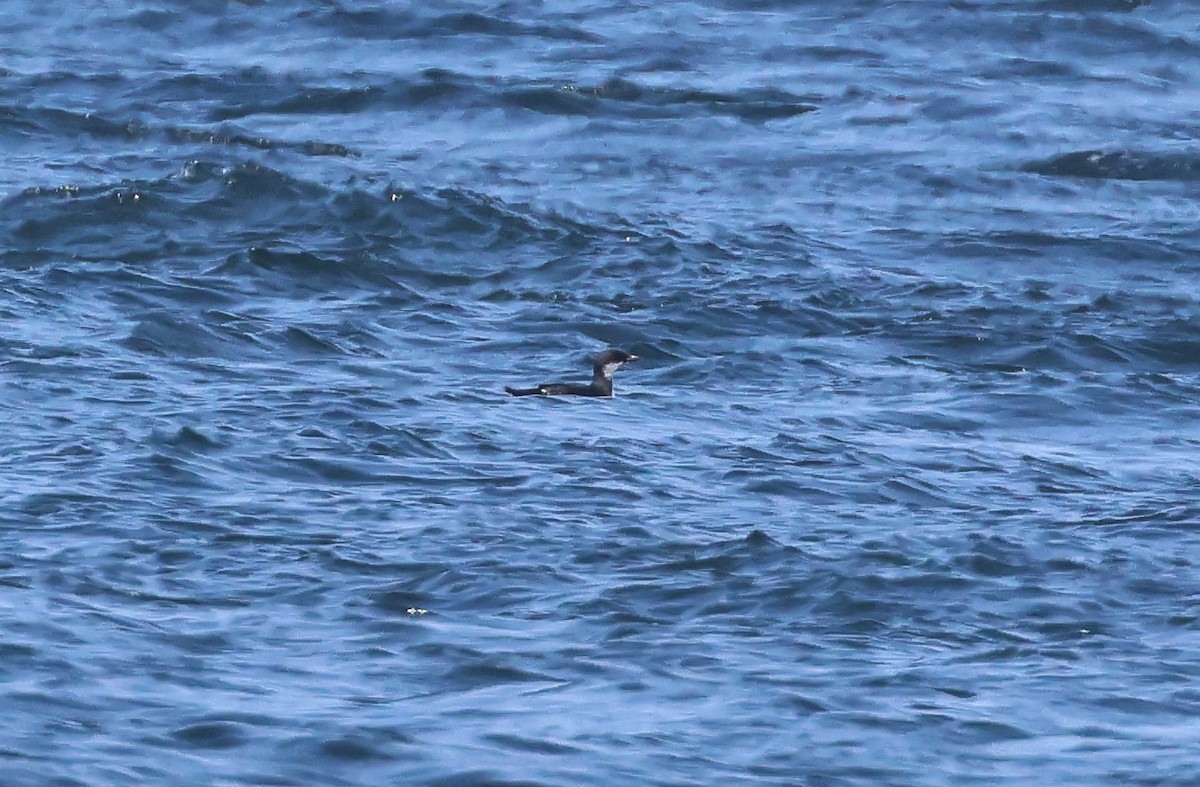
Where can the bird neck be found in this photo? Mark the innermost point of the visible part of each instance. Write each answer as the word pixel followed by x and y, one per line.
pixel 602 381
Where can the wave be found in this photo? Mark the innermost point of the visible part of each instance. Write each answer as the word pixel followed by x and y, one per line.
pixel 1119 165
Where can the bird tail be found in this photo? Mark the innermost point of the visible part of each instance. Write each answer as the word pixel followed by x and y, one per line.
pixel 523 391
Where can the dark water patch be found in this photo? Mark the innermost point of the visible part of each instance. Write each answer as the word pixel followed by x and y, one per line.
pixel 487 672
pixel 410 443
pixel 26 124
pixel 372 23
pixel 87 212
pixel 434 91
pixel 1094 252
pixel 192 439
pixel 1067 6
pixel 356 749
pixel 520 744
pixel 1033 68
pixel 1119 165
pixel 483 778
pixel 290 270
pixel 251 180
pixel 619 96
pixel 1173 343
pixel 174 336
pixel 226 136
pixel 1092 6
pixel 211 735
pixel 1143 516
pixel 204 88
pixel 49 120
pixel 918 494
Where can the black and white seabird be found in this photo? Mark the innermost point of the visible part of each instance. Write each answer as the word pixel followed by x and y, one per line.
pixel 605 364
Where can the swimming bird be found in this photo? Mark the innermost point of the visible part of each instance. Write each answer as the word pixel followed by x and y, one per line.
pixel 605 364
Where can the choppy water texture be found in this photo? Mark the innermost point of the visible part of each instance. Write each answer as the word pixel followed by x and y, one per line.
pixel 904 490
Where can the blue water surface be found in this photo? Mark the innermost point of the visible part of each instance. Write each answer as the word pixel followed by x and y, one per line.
pixel 902 491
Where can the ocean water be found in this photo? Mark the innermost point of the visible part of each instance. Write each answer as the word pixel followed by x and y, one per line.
pixel 903 490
